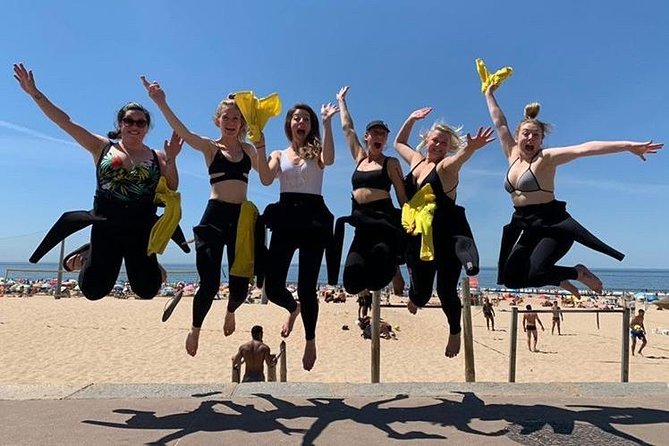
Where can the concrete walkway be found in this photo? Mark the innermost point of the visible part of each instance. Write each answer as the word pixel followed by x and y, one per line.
pixel 337 414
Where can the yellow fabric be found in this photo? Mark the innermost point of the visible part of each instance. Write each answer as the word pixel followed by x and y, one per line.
pixel 417 215
pixel 164 228
pixel 494 79
pixel 245 241
pixel 257 111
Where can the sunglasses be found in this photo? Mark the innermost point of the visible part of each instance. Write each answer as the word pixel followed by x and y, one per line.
pixel 129 122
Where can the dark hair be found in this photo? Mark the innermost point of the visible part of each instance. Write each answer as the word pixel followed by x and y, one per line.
pixel 116 134
pixel 528 307
pixel 314 134
pixel 256 332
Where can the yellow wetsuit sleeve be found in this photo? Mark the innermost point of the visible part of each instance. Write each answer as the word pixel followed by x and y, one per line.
pixel 257 112
pixel 245 241
pixel 494 79
pixel 167 223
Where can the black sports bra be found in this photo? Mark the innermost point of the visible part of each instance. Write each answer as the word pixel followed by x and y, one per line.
pixel 373 179
pixel 231 171
pixel 527 181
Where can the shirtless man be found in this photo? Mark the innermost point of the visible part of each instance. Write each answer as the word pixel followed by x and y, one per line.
pixel 489 314
pixel 557 317
pixel 254 353
pixel 638 331
pixel 530 321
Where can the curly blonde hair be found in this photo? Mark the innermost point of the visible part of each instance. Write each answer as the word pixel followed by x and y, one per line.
pixel 229 102
pixel 455 137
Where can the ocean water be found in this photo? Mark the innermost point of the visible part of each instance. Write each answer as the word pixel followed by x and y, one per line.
pixel 613 279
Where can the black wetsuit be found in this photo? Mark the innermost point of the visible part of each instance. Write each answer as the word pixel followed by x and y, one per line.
pixel 217 229
pixel 538 236
pixel 454 248
pixel 379 241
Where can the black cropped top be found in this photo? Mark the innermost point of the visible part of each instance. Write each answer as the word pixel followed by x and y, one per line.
pixel 373 179
pixel 231 171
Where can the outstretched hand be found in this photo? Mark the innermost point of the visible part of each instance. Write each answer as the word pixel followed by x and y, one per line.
pixel 328 111
pixel 341 96
pixel 482 137
pixel 156 93
pixel 641 149
pixel 420 113
pixel 173 146
pixel 26 79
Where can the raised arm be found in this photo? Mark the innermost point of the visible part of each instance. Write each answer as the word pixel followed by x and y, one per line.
pixel 455 162
pixel 562 155
pixel 408 154
pixel 352 140
pixel 157 94
pixel 168 160
pixel 327 112
pixel 499 121
pixel 268 168
pixel 89 141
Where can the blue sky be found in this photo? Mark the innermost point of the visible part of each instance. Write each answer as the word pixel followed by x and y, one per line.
pixel 599 69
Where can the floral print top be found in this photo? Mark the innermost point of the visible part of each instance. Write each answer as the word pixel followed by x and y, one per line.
pixel 118 183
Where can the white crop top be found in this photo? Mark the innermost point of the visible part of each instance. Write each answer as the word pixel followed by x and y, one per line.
pixel 304 178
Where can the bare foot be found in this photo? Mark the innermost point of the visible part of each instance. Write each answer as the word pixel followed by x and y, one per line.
pixel 288 325
pixel 587 278
pixel 229 324
pixel 192 341
pixel 413 309
pixel 453 346
pixel 567 285
pixel 75 262
pixel 309 357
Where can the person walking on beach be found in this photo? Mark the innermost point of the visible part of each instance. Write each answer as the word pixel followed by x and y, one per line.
pixel 453 241
pixel 557 318
pixel 638 331
pixel 541 230
pixel 127 173
pixel 489 314
pixel 378 245
pixel 229 160
pixel 364 303
pixel 255 354
pixel 300 220
pixel 530 321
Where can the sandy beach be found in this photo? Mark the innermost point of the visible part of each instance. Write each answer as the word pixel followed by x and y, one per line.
pixel 73 340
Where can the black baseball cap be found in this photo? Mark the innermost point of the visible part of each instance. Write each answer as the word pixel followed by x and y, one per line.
pixel 377 123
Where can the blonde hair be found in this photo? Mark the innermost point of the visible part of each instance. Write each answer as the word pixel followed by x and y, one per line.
pixel 230 102
pixel 530 116
pixel 455 138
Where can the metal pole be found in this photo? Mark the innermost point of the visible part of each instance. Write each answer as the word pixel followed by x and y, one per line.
pixel 59 279
pixel 470 372
pixel 512 344
pixel 597 321
pixel 376 340
pixel 625 349
pixel 283 368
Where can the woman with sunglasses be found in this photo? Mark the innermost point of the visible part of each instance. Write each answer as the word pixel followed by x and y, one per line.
pixel 229 160
pixel 377 247
pixel 127 173
pixel 454 246
pixel 541 230
pixel 300 220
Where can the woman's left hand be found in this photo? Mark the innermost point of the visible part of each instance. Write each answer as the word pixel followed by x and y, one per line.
pixel 482 137
pixel 328 111
pixel 173 146
pixel 641 149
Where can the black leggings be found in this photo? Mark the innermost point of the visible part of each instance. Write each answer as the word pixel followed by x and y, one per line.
pixel 124 236
pixel 217 229
pixel 299 226
pixel 372 258
pixel 532 260
pixel 451 252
